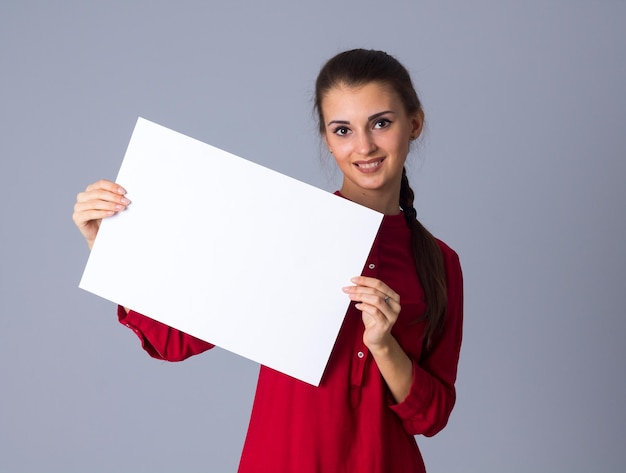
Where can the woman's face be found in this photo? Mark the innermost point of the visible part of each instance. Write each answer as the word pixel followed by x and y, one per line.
pixel 368 132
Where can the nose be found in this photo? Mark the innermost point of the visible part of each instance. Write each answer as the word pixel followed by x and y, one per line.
pixel 366 144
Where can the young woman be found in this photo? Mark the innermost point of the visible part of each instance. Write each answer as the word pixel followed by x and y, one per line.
pixel 392 371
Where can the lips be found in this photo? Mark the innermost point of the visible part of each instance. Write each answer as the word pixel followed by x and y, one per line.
pixel 370 165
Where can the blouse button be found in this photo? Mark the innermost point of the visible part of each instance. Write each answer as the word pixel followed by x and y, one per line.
pixel 371 266
pixel 360 354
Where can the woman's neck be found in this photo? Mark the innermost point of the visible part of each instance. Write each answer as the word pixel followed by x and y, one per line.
pixel 385 202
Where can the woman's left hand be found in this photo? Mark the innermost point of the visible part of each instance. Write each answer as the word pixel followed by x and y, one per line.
pixel 380 307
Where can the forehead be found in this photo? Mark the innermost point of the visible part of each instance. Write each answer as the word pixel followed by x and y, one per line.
pixel 359 100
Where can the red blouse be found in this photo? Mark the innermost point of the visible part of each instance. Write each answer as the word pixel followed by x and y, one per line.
pixel 349 423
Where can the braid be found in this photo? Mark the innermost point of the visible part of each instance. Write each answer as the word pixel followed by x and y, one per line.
pixel 407 196
pixel 429 264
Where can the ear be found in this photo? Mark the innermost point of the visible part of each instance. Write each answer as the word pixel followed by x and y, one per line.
pixel 417 124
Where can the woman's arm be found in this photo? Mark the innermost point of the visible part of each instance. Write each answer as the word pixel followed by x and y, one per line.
pixel 380 307
pixel 428 406
pixel 423 390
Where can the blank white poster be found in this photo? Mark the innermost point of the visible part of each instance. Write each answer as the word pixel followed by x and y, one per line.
pixel 231 252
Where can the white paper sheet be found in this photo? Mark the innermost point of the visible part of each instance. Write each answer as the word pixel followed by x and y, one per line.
pixel 230 252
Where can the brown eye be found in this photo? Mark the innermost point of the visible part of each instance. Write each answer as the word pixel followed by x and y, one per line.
pixel 382 123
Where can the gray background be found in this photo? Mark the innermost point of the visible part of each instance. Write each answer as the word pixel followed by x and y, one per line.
pixel 521 171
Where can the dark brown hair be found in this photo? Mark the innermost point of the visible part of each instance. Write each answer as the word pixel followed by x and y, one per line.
pixel 359 67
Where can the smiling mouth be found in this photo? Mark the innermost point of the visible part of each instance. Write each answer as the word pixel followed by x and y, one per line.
pixel 369 165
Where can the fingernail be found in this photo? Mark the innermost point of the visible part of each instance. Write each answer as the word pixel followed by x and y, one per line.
pixel 120 190
pixel 125 201
pixel 353 279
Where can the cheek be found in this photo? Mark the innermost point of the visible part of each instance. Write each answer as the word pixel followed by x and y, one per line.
pixel 341 148
pixel 401 145
pixel 340 159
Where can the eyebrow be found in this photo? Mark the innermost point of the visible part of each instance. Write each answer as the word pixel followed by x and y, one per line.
pixel 369 119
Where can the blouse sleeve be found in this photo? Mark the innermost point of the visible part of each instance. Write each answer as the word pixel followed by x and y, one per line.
pixel 432 396
pixel 162 341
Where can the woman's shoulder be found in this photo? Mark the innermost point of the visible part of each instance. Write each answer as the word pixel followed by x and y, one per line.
pixel 446 250
pixel 450 257
pixel 454 273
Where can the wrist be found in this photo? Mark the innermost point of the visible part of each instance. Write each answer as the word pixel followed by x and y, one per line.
pixel 382 347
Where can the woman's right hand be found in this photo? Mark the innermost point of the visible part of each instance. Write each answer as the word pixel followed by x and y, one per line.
pixel 100 200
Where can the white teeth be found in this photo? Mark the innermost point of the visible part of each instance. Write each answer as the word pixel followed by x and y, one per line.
pixel 370 165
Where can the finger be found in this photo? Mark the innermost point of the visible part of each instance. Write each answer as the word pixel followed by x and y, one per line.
pixel 82 219
pixel 389 309
pixel 371 315
pixel 84 212
pixel 377 285
pixel 103 190
pixel 100 205
pixel 106 185
pixel 358 293
pixel 102 194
